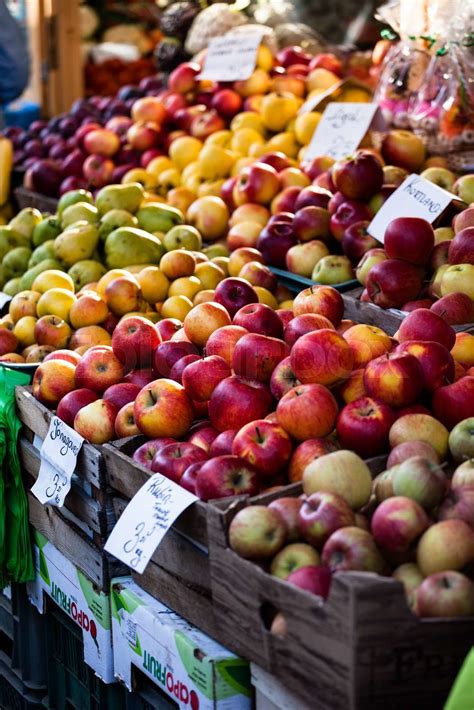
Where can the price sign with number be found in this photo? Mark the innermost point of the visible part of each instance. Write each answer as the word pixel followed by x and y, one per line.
pixel 58 454
pixel 415 197
pixel 341 129
pixel 232 57
pixel 146 520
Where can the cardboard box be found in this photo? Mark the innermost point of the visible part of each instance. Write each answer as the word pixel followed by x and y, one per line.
pixel 193 669
pixel 75 594
pixel 270 694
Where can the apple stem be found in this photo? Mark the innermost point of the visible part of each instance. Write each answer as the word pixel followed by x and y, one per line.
pixel 259 436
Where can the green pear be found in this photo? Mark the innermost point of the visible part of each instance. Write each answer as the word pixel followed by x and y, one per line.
pixel 158 217
pixel 76 244
pixel 15 263
pixel 127 246
pixel 70 198
pixel 85 272
pixel 29 276
pixel 44 251
pixel 9 239
pixel 183 237
pixel 120 197
pixel 80 211
pixel 12 287
pixel 26 220
pixel 214 250
pixel 47 229
pixel 114 219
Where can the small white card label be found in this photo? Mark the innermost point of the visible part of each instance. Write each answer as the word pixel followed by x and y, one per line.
pixel 58 454
pixel 4 299
pixel 146 520
pixel 231 57
pixel 313 102
pixel 341 129
pixel 415 197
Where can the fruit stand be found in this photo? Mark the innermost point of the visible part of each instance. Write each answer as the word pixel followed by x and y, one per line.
pixel 237 364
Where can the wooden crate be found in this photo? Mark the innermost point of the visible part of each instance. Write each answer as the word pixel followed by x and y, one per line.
pixel 362 649
pixel 89 503
pixel 28 198
pixel 69 539
pixel 388 319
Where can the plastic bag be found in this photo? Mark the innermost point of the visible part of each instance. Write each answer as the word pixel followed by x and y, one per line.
pixel 462 693
pixel 16 561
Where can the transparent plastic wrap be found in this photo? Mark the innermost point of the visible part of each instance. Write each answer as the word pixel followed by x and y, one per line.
pixel 297 33
pixel 443 110
pixel 401 77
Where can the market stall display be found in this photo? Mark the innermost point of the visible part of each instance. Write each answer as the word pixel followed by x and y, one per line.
pixel 236 299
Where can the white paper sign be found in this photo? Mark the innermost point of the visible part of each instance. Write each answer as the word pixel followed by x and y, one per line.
pixel 146 520
pixel 415 197
pixel 58 453
pixel 231 57
pixel 311 103
pixel 4 299
pixel 341 129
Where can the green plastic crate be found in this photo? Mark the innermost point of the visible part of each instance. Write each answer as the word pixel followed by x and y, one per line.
pixel 298 283
pixel 15 695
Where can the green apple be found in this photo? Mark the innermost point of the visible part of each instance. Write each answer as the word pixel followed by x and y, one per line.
pixel 182 237
pixel 333 270
pixel 461 440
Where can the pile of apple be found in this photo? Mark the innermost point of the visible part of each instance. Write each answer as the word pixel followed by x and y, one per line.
pixel 104 139
pixel 413 523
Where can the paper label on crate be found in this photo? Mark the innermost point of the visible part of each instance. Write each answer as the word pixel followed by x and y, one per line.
pixel 146 520
pixel 341 129
pixel 58 454
pixel 4 299
pixel 415 197
pixel 232 57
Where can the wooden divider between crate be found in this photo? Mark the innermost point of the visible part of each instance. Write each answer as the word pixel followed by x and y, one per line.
pixel 362 649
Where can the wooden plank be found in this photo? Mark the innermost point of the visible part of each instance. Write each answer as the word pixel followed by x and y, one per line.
pixel 35 416
pixel 96 564
pixel 88 510
pixel 28 198
pixel 184 599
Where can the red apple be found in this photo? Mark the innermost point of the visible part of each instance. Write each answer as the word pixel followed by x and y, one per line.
pixel 283 379
pixel 321 514
pixel 275 240
pixel 305 323
pixel 169 352
pixel 172 460
pixel 313 196
pixel 98 370
pixel 311 223
pixel 162 408
pixel 256 356
pixel 408 449
pixel 410 239
pixel 223 340
pixel 420 480
pixel 188 479
pixel 392 282
pixel 236 401
pixel 461 248
pixel 348 212
pixel 455 308
pixel 233 294
pixel 356 241
pixel 222 444
pixel 176 372
pixel 140 377
pixel 200 378
pixel 226 476
pixel 168 327
pixel 397 523
pixel 394 378
pixel 315 579
pixel 95 422
pixel 322 300
pixel 259 318
pixel 72 402
pixel 459 505
pixel 264 445
pixel 145 453
pixel 445 594
pixel 321 356
pixel 307 412
pixel 125 425
pixel 289 508
pixel 358 177
pixel 403 149
pixel 184 78
pixel 203 437
pixel 121 394
pixel 134 340
pixel 364 425
pixel 352 548
pixel 424 324
pixel 436 362
pixel 453 403
pixel 410 306
pixel 256 532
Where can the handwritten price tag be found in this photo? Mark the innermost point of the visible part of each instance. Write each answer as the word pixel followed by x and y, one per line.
pixel 4 300
pixel 232 57
pixel 146 520
pixel 341 129
pixel 415 197
pixel 58 454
